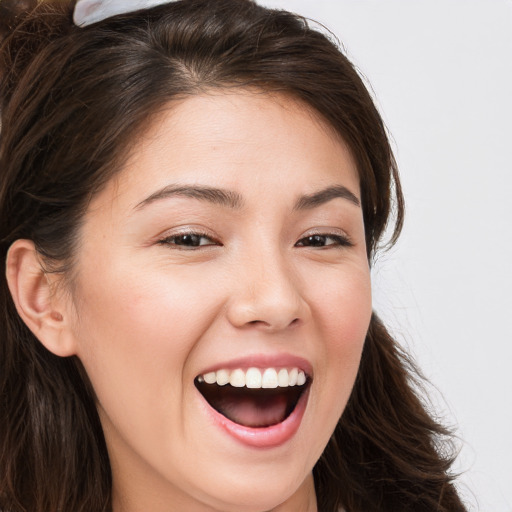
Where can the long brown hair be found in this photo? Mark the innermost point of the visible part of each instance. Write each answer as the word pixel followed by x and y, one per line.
pixel 73 102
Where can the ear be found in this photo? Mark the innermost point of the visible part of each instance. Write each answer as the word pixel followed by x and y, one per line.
pixel 35 296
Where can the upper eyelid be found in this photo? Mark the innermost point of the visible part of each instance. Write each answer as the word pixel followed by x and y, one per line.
pixel 191 233
pixel 187 230
pixel 325 232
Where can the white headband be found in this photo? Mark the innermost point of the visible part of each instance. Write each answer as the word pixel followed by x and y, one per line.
pixel 92 11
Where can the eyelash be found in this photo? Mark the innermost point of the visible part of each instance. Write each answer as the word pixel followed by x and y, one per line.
pixel 313 239
pixel 171 240
pixel 339 240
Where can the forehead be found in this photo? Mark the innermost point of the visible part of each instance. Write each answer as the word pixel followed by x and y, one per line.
pixel 236 139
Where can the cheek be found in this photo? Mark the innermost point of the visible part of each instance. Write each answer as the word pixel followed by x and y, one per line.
pixel 343 305
pixel 344 309
pixel 140 327
pixel 146 307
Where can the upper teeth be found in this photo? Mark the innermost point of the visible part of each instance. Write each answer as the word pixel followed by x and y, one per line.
pixel 255 378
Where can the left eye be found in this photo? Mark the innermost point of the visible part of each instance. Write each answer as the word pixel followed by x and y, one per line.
pixel 323 241
pixel 188 240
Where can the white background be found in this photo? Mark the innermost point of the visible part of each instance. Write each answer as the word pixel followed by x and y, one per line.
pixel 441 71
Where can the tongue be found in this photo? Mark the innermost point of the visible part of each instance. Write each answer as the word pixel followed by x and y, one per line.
pixel 252 412
pixel 254 408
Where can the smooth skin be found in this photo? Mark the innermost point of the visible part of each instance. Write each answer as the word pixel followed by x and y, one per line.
pixel 170 280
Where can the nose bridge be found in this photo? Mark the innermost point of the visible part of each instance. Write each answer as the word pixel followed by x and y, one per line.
pixel 268 292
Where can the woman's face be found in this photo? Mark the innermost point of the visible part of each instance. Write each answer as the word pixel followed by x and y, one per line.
pixel 231 247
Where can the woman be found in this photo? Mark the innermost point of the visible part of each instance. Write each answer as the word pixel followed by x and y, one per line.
pixel 191 198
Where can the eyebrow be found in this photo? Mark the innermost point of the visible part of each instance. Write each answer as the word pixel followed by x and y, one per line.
pixel 213 195
pixel 233 200
pixel 325 195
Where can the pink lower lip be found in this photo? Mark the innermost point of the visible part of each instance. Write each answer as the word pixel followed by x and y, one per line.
pixel 266 437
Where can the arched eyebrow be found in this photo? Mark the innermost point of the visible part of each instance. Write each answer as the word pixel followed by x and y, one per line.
pixel 213 195
pixel 325 195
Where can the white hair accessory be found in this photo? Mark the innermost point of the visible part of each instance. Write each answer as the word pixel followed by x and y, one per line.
pixel 92 11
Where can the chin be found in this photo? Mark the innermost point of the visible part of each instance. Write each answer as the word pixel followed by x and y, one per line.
pixel 258 495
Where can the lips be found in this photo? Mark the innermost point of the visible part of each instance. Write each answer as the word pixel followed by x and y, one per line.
pixel 255 398
pixel 252 407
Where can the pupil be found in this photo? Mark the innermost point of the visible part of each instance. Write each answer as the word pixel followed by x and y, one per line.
pixel 316 240
pixel 190 240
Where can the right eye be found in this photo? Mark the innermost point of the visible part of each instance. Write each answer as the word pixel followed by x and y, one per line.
pixel 188 240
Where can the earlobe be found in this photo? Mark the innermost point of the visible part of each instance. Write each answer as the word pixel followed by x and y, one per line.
pixel 37 303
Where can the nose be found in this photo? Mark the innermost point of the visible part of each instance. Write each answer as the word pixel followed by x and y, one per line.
pixel 267 295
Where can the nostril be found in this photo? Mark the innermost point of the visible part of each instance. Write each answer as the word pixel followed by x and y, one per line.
pixel 294 322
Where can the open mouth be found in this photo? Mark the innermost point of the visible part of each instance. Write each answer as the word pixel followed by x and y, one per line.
pixel 254 398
